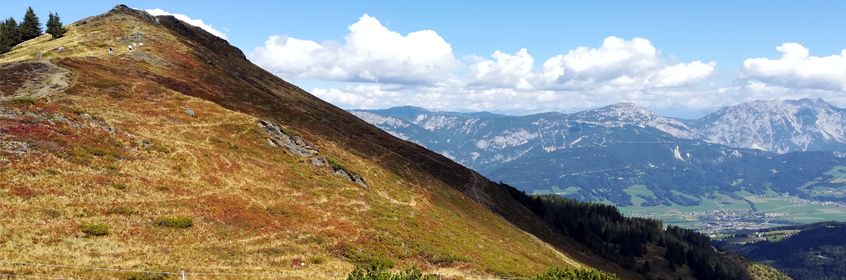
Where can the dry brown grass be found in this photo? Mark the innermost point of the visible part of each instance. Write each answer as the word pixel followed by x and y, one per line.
pixel 255 208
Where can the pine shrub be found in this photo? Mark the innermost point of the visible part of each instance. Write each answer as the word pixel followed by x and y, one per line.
pixel 95 229
pixel 181 222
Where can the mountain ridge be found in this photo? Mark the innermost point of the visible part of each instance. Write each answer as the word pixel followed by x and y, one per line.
pixel 268 177
pixel 183 154
pixel 775 125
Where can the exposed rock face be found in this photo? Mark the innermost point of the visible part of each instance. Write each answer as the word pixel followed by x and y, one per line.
pixel 777 126
pixel 358 179
pixel 137 37
pixel 187 111
pixel 280 137
pixel 13 147
pixel 294 143
pixel 149 58
pixel 319 161
pixel 142 14
pixel 352 177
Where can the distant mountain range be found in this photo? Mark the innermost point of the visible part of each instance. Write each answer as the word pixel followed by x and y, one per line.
pixel 601 154
pixel 778 126
pixel 484 140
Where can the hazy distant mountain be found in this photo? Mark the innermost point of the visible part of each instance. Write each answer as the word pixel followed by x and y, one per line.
pixel 778 126
pixel 682 112
pixel 483 143
pixel 635 146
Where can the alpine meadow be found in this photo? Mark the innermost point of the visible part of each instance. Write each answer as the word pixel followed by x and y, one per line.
pixel 145 144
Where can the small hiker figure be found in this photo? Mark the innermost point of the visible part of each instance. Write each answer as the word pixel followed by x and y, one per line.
pixel 130 47
pixel 140 45
pixel 111 52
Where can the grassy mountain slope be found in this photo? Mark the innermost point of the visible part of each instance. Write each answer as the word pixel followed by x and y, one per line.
pixel 92 168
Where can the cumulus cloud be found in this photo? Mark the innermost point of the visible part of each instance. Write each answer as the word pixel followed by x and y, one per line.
pixel 798 69
pixel 420 69
pixel 195 22
pixel 619 70
pixel 751 90
pixel 371 53
pixel 361 96
pixel 623 65
pixel 507 71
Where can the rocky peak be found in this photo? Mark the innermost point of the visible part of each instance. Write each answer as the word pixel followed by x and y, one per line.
pixel 628 113
pixel 123 9
pixel 627 110
pixel 776 125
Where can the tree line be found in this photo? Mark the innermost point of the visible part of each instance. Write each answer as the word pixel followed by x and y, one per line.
pixel 12 33
pixel 607 232
pixel 816 252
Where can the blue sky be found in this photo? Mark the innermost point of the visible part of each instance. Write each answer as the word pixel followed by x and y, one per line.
pixel 463 75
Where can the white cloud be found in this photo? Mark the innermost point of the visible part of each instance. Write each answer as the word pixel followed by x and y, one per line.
pixel 361 96
pixel 620 65
pixel 749 90
pixel 683 74
pixel 420 69
pixel 507 71
pixel 371 53
pixel 195 22
pixel 798 69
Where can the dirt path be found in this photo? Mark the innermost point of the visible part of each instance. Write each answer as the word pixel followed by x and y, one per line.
pixel 48 79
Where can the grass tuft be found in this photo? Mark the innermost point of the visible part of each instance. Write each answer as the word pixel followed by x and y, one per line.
pixel 95 229
pixel 123 210
pixel 181 222
pixel 22 100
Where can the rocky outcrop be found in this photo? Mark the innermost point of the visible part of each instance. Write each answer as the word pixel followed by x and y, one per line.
pixel 294 142
pixel 149 58
pixel 280 137
pixel 319 161
pixel 187 111
pixel 123 9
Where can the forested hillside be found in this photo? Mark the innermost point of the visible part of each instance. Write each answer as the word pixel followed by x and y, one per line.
pixel 641 244
pixel 808 252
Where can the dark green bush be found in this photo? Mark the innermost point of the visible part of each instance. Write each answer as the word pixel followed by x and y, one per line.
pixel 449 259
pixel 290 132
pixel 22 100
pixel 412 273
pixel 181 222
pixel 146 276
pixel 95 229
pixel 123 210
pixel 338 166
pixel 555 273
pixel 368 258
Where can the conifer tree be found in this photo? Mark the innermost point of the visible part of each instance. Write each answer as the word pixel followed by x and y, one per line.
pixel 9 35
pixel 30 26
pixel 54 26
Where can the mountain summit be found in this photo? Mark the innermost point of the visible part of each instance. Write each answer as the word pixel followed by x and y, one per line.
pixel 181 155
pixel 778 126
